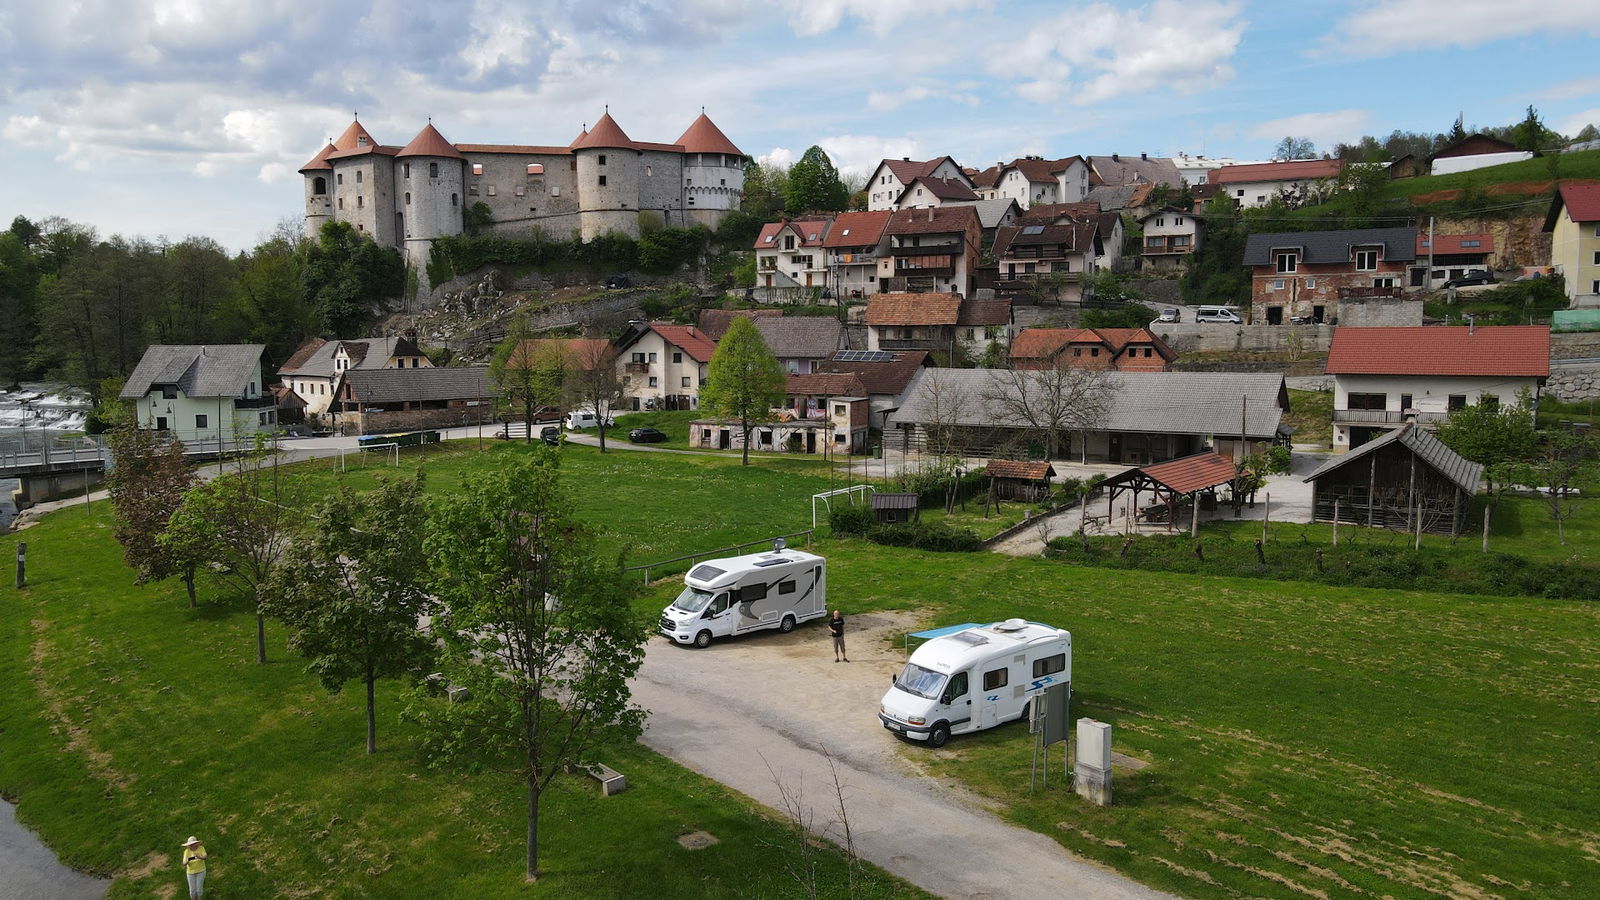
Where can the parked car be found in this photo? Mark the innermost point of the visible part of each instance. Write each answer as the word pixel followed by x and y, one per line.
pixel 617 282
pixel 1170 314
pixel 1217 314
pixel 1476 276
pixel 647 436
pixel 585 418
pixel 550 434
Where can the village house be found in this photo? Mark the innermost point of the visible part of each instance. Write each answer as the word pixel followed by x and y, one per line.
pixel 884 375
pixel 807 394
pixel 200 393
pixel 314 368
pixel 1304 274
pixel 1406 479
pixel 1475 151
pixel 939 323
pixel 800 342
pixel 376 401
pixel 1117 169
pixel 663 365
pixel 1449 256
pixel 1386 377
pixel 1031 180
pixel 1574 226
pixel 1107 223
pixel 992 215
pixel 926 190
pixel 1045 262
pixel 1123 349
pixel 1147 416
pixel 714 322
pixel 935 249
pixel 841 427
pixel 1171 235
pixel 1256 184
pixel 853 245
pixel 891 176
pixel 789 254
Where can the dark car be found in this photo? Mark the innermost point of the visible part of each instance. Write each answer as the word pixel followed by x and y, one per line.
pixel 550 434
pixel 646 436
pixel 617 282
pixel 1476 276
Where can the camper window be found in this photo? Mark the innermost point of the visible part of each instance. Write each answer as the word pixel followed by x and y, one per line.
pixel 752 592
pixel 957 688
pixel 1049 665
pixel 786 587
pixel 692 600
pixel 916 680
pixel 996 679
pixel 721 604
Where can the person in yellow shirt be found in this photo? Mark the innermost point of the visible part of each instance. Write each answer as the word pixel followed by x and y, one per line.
pixel 194 866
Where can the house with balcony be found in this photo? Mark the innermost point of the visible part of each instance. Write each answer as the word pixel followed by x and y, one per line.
pixel 931 250
pixel 1121 349
pixel 992 216
pixel 1044 263
pixel 1574 225
pixel 663 366
pixel 890 178
pixel 789 254
pixel 1254 184
pixel 202 393
pixel 1171 235
pixel 1386 377
pixel 313 369
pixel 1447 256
pixel 1305 274
pixel 854 244
pixel 946 324
pixel 801 342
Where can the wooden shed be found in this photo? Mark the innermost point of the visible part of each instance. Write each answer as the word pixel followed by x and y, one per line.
pixel 1015 479
pixel 1403 479
pixel 894 508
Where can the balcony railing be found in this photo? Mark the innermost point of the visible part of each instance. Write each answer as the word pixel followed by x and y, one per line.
pixel 929 272
pixel 926 250
pixel 1159 247
pixel 1384 416
pixel 257 403
pixel 927 343
pixel 636 368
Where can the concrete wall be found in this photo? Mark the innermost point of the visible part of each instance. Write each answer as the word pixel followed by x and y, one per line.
pixel 425 202
pixel 1451 164
pixel 1388 312
pixel 1192 337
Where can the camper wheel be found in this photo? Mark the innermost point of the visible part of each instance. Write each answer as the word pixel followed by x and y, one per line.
pixel 1026 709
pixel 787 625
pixel 702 640
pixel 939 734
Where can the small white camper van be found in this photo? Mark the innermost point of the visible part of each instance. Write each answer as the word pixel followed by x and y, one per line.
pixel 974 679
pixel 777 589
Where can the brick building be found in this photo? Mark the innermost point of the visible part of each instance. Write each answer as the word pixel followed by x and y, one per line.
pixel 1307 273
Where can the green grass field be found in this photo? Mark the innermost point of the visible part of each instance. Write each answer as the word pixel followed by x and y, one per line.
pixel 1302 740
pixel 1311 417
pixel 1584 164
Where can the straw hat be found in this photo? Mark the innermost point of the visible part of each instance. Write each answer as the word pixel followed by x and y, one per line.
pixel 191 841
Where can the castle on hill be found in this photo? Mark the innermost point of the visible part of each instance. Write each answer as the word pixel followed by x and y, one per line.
pixel 406 197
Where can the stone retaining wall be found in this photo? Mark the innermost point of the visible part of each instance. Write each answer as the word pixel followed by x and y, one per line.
pixel 1574 384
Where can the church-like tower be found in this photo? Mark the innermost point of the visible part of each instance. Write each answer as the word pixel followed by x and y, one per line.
pixel 429 177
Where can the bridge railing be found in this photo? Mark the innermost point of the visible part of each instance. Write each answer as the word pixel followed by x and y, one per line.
pixel 50 451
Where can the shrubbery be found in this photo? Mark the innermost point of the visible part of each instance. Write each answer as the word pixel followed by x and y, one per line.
pixel 859 520
pixel 660 251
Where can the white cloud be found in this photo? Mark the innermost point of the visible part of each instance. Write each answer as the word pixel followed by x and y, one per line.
pixel 1089 54
pixel 813 17
pixel 1574 123
pixel 1390 27
pixel 884 101
pixel 859 154
pixel 1323 128
pixel 782 157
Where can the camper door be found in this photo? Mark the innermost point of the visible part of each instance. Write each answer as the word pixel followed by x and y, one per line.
pixel 996 693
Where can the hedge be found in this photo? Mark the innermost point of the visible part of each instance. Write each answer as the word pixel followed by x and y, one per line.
pixel 860 520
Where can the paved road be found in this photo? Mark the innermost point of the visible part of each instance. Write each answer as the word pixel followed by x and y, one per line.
pixel 752 712
pixel 29 871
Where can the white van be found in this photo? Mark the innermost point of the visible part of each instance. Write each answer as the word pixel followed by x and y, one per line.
pixel 1224 314
pixel 721 597
pixel 975 679
pixel 585 418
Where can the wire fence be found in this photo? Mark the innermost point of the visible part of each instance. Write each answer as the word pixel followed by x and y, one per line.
pixel 707 554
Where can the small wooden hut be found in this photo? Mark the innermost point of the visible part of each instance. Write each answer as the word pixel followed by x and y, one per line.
pixel 1015 479
pixel 892 509
pixel 1400 480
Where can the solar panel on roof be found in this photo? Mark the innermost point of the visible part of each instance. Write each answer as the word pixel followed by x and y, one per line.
pixel 1033 229
pixel 863 356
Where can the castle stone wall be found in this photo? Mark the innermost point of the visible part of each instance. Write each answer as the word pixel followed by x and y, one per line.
pixel 430 213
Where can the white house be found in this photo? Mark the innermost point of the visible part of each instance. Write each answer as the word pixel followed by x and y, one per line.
pixel 201 393
pixel 1030 180
pixel 1382 377
pixel 790 253
pixel 891 176
pixel 927 190
pixel 313 369
pixel 853 246
pixel 663 365
pixel 1170 235
pixel 1257 183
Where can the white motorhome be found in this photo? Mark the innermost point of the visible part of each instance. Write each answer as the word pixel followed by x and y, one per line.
pixel 974 679
pixel 777 589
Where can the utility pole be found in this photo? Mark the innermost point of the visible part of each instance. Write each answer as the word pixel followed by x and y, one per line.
pixel 1428 280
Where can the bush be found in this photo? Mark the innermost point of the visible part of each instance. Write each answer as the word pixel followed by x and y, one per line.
pixel 939 537
pixel 851 520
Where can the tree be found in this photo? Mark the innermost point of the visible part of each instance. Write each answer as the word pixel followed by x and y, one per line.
pixel 149 477
pixel 743 380
pixel 1492 433
pixel 765 186
pixel 1458 130
pixel 344 274
pixel 1587 133
pixel 1531 134
pixel 351 594
pixel 1295 148
pixel 268 305
pixel 593 382
pixel 240 523
pixel 200 280
pixel 814 185
pixel 1563 459
pixel 529 373
pixel 1053 401
pixel 535 626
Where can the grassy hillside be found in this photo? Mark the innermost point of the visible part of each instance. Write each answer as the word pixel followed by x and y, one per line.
pixel 1496 180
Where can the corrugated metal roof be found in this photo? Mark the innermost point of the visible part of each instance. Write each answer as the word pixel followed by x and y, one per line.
pixel 1462 472
pixel 395 385
pixel 212 370
pixel 894 501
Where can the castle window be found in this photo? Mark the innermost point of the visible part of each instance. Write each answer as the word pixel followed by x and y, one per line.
pixel 724 182
pixel 602 181
pixel 319 185
pixel 648 172
pixel 602 159
pixel 358 176
pixel 405 169
pixel 339 178
pixel 477 168
pixel 555 190
pixel 455 200
pixel 433 170
pixel 361 202
pixel 361 141
pixel 408 198
pixel 341 203
pixel 535 169
pixel 491 190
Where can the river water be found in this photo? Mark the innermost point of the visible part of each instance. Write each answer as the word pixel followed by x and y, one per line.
pixel 29 871
pixel 29 416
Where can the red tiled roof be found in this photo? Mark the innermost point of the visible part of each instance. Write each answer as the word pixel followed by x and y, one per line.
pixel 320 161
pixel 714 322
pixel 984 312
pixel 429 142
pixel 1043 343
pixel 582 133
pixel 864 229
pixel 1051 213
pixel 693 341
pixel 351 138
pixel 651 145
pixel 909 169
pixel 986 178
pixel 1018 468
pixel 606 134
pixel 1512 350
pixel 769 235
pixel 363 151
pixel 1192 473
pixel 824 384
pixel 933 220
pixel 941 188
pixel 1040 170
pixel 703 136
pixel 1582 202
pixel 1294 170
pixel 1451 243
pixel 913 309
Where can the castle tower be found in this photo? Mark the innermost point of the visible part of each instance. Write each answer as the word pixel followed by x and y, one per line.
pixel 429 175
pixel 363 184
pixel 319 190
pixel 608 180
pixel 713 172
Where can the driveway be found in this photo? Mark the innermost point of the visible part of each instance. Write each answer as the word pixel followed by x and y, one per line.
pixel 771 709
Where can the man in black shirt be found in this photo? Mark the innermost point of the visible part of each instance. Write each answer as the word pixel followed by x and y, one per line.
pixel 836 628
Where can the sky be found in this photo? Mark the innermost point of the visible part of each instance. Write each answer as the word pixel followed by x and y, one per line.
pixel 171 118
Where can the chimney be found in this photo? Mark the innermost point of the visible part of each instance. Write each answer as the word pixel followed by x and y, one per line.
pixel 930 214
pixel 1114 158
pixel 1145 157
pixel 905 159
